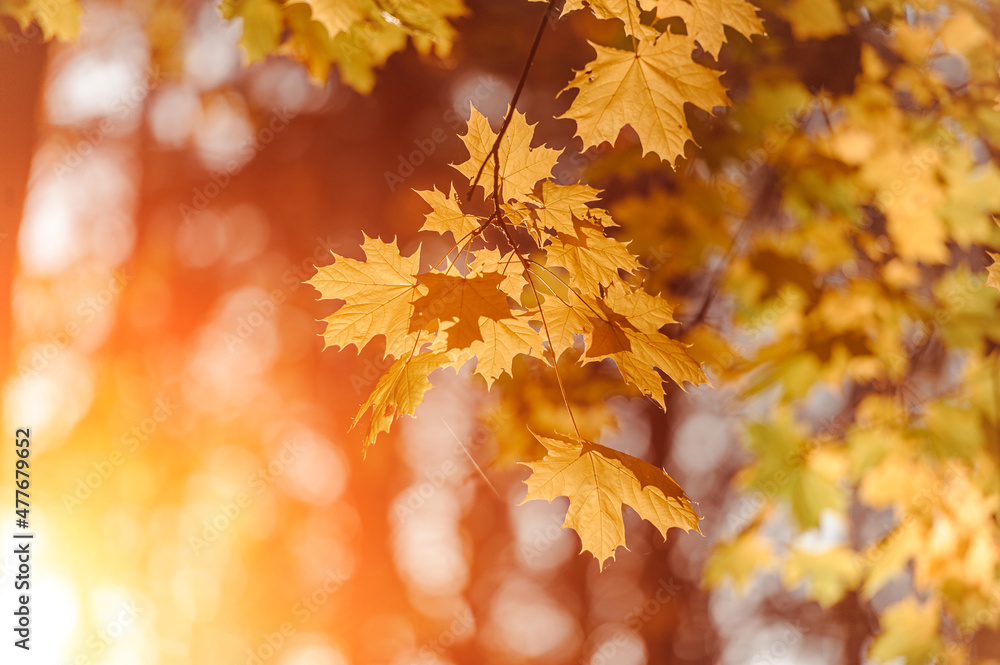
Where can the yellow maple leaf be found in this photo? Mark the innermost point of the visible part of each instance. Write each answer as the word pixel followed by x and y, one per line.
pixel 507 264
pixel 889 558
pixel 62 22
pixel 599 481
pixel 993 278
pixel 828 575
pixel 910 632
pixel 56 19
pixel 308 41
pixel 463 300
pixel 739 559
pixel 521 166
pixel 627 11
pixel 398 392
pixel 560 204
pixel 360 35
pixel 814 19
pixel 334 15
pixel 639 353
pixel 645 89
pixel 446 216
pixel 378 292
pixel 503 339
pixel 263 21
pixel 592 258
pixel 565 314
pixel 705 20
pixel 917 230
pixel 647 313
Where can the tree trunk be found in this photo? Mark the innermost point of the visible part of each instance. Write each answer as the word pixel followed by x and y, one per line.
pixel 22 63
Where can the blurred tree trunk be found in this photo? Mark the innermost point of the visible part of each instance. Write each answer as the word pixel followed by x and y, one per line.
pixel 22 63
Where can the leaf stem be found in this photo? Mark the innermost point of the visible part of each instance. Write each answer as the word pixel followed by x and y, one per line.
pixel 555 359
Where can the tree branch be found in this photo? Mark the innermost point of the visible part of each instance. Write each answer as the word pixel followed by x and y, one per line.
pixel 494 151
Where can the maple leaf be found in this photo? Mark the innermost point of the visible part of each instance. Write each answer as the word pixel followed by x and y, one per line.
pixel 591 258
pixel 336 16
pixel 815 19
pixel 462 300
pixel 705 20
pixel 647 313
pixel 627 11
pixel 828 574
pixel 810 476
pixel 909 633
pixel 645 89
pixel 638 355
pixel 565 316
pixel 508 265
pixel 560 204
pixel 503 339
pixel 639 352
pixel 993 278
pixel 262 24
pixel 446 216
pixel 599 481
pixel 519 214
pixel 521 166
pixel 398 392
pixel 308 41
pixel 378 294
pixel 60 20
pixel 739 560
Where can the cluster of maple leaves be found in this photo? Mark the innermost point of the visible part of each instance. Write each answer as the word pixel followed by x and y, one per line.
pixel 544 271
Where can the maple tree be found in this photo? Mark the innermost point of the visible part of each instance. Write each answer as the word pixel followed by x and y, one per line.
pixel 825 238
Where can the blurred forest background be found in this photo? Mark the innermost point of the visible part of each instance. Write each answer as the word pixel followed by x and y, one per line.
pixel 198 497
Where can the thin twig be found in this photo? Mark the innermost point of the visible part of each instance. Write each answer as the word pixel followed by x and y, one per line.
pixel 471 458
pixel 517 94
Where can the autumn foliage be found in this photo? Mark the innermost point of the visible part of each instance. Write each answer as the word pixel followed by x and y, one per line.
pixel 795 213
